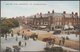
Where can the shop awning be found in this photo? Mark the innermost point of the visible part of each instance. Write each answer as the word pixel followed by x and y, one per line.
pixel 66 27
pixel 42 26
pixel 71 27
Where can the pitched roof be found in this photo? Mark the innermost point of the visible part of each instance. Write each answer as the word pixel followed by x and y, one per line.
pixel 53 15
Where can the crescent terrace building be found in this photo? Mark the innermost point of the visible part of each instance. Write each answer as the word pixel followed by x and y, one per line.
pixel 53 20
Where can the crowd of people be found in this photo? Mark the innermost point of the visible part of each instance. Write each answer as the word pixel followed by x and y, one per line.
pixel 34 36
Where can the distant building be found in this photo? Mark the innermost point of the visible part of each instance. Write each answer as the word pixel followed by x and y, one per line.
pixel 53 20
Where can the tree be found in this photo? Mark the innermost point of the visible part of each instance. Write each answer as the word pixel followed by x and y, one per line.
pixel 7 24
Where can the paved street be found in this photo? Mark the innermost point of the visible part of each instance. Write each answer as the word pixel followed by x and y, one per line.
pixel 45 34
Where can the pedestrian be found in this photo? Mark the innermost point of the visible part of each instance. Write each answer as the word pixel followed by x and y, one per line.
pixel 18 33
pixel 25 43
pixel 14 50
pixel 63 40
pixel 19 43
pixel 76 35
pixel 53 42
pixel 50 42
pixel 60 40
pixel 11 34
pixel 25 37
pixel 5 36
pixel 22 35
pixel 47 44
pixel 23 31
pixel 16 38
pixel 33 36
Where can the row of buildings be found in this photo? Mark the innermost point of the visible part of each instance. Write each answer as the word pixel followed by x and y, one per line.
pixel 53 20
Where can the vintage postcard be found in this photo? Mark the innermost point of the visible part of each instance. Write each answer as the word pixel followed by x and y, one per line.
pixel 40 26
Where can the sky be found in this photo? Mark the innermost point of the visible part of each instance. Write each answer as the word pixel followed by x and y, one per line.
pixel 27 8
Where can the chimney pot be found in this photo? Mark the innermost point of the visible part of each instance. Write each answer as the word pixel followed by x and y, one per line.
pixel 40 13
pixel 34 16
pixel 53 11
pixel 48 12
pixel 64 12
pixel 72 12
pixel 76 13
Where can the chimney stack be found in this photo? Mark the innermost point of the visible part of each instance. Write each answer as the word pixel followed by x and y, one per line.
pixel 76 14
pixel 53 11
pixel 34 16
pixel 72 14
pixel 48 12
pixel 64 12
pixel 40 14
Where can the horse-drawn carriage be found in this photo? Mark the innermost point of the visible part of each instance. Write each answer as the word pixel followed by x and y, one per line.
pixel 34 36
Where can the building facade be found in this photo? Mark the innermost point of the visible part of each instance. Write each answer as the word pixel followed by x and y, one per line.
pixel 53 20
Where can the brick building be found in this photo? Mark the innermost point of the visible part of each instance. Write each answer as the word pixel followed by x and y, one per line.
pixel 53 20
